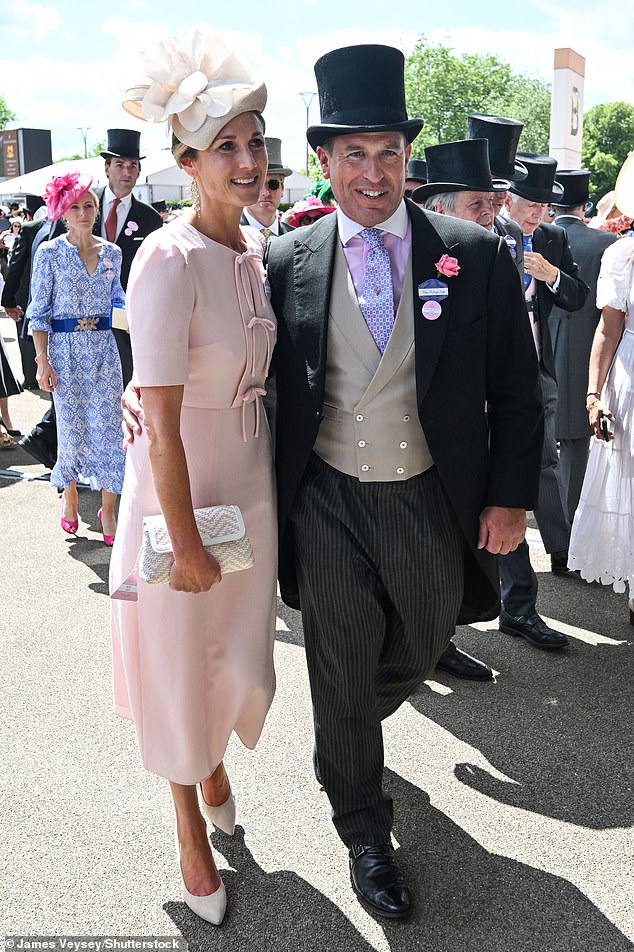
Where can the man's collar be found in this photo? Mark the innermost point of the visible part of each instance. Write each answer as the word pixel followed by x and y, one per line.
pixel 274 228
pixel 568 218
pixel 397 224
pixel 109 197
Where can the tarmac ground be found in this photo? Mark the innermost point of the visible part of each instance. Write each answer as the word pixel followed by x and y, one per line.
pixel 513 800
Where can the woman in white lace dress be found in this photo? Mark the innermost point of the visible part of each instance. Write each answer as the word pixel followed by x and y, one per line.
pixel 602 541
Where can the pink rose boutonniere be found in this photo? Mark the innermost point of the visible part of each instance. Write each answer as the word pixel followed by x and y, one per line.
pixel 447 267
pixel 130 228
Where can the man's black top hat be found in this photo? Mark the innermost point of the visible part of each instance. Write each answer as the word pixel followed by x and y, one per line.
pixel 122 144
pixel 540 186
pixel 32 203
pixel 362 89
pixel 417 170
pixel 576 186
pixel 159 206
pixel 503 135
pixel 461 166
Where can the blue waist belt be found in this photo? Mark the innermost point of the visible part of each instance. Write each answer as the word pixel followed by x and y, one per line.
pixel 82 324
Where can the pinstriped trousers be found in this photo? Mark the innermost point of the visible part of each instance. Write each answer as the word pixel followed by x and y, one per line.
pixel 381 576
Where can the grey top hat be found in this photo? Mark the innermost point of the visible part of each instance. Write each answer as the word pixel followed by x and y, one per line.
pixel 122 144
pixel 503 136
pixel 461 166
pixel 274 150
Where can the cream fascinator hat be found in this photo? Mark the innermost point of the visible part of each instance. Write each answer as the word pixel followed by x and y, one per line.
pixel 196 84
pixel 624 188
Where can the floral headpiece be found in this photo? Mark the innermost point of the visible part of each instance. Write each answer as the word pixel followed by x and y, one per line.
pixel 63 191
pixel 312 206
pixel 197 85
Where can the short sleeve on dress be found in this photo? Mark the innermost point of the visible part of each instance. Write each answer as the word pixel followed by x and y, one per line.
pixel 160 301
pixel 39 311
pixel 617 273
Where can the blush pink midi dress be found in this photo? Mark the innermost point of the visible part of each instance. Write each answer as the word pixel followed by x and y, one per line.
pixel 191 669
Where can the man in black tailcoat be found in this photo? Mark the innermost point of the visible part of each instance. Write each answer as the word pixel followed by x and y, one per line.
pixel 503 136
pixel 572 333
pixel 122 218
pixel 550 278
pixel 395 328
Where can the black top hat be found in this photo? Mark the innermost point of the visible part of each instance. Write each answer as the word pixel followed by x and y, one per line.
pixel 32 203
pixel 417 170
pixel 159 206
pixel 461 166
pixel 576 186
pixel 122 144
pixel 274 150
pixel 540 186
pixel 503 135
pixel 362 89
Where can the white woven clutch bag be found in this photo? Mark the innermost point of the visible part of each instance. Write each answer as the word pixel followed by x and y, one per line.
pixel 223 535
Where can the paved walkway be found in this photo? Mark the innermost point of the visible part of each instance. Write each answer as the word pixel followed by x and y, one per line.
pixel 514 801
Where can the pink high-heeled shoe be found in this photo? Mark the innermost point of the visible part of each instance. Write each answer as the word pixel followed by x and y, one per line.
pixel 108 539
pixel 69 526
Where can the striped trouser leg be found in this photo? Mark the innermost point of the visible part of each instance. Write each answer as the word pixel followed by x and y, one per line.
pixel 380 569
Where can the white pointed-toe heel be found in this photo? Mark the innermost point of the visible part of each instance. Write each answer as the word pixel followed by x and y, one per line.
pixel 211 908
pixel 224 816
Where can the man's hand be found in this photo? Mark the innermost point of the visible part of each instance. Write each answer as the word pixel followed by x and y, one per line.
pixel 15 313
pixel 132 410
pixel 537 266
pixel 501 529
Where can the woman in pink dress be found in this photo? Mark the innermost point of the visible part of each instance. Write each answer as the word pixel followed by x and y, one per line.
pixel 193 660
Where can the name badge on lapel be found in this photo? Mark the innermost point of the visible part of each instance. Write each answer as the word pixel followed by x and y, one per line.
pixel 431 293
pixel 512 245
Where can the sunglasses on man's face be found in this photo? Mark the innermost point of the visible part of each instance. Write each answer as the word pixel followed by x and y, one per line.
pixel 273 184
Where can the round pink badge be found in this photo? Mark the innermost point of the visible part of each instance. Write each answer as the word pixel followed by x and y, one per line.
pixel 432 310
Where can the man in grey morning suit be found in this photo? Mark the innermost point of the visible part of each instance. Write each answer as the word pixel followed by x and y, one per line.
pixel 394 492
pixel 572 334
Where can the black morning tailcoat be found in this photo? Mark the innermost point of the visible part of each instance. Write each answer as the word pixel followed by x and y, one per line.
pixel 552 243
pixel 478 353
pixel 148 220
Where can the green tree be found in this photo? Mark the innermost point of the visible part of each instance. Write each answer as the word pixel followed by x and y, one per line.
pixel 608 137
pixel 6 115
pixel 443 87
pixel 96 149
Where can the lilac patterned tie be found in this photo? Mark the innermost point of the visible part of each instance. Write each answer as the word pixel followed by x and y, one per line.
pixel 377 299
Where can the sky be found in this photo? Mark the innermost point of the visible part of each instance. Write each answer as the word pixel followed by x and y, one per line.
pixel 63 69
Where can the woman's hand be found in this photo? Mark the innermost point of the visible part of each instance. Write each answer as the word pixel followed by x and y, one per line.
pixel 132 411
pixel 45 376
pixel 596 411
pixel 195 573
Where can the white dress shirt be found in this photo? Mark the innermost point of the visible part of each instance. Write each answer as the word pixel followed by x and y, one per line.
pixel 123 210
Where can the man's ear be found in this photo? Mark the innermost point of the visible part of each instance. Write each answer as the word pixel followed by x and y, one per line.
pixel 324 161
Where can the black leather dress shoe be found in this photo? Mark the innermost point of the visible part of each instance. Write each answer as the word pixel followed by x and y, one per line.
pixel 533 629
pixel 39 450
pixel 462 665
pixel 559 563
pixel 378 882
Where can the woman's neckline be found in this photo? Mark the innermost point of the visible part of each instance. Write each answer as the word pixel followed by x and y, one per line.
pixel 218 244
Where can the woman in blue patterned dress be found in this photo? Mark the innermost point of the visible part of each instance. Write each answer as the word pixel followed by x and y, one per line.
pixel 75 283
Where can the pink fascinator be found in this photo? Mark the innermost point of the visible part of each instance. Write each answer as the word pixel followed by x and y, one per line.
pixel 63 191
